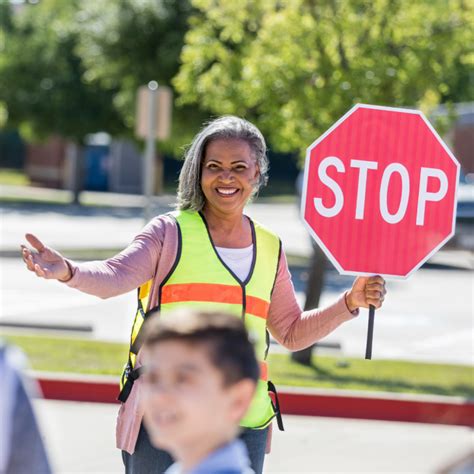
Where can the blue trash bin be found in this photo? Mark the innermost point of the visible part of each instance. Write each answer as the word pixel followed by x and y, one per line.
pixel 96 173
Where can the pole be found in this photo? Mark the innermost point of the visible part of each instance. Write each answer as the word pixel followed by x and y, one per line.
pixel 370 332
pixel 149 161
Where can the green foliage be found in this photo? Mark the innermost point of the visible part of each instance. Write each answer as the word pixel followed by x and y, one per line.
pixel 294 67
pixel 130 43
pixel 73 67
pixel 42 78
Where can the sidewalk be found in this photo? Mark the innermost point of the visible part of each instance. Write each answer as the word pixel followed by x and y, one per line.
pixel 308 444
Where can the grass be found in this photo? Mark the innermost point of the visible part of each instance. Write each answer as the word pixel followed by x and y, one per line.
pixel 59 354
pixel 375 375
pixel 34 200
pixel 13 177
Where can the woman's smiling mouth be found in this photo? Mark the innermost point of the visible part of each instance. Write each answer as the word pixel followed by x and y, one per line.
pixel 226 191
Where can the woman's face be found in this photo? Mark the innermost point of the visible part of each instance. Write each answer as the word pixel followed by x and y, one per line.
pixel 229 173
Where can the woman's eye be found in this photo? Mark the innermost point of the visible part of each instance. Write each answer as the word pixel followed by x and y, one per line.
pixel 212 166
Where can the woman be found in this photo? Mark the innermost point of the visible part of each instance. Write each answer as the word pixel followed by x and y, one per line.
pixel 207 254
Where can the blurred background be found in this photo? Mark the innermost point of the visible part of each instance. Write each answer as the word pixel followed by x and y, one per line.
pixel 72 171
pixel 70 71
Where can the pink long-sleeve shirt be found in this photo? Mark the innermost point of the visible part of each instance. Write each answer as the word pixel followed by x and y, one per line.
pixel 151 255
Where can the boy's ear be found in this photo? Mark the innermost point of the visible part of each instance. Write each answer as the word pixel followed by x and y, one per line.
pixel 240 397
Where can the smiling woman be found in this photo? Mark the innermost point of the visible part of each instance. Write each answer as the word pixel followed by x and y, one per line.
pixel 224 129
pixel 208 255
pixel 228 179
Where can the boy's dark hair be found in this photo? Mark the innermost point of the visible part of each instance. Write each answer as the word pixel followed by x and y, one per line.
pixel 222 334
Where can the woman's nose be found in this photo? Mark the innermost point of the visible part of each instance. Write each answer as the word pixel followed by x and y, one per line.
pixel 226 175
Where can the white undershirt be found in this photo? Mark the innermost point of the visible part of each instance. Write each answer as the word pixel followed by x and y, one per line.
pixel 238 260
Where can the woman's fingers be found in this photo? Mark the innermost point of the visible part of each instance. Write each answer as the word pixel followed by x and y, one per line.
pixel 35 242
pixel 375 291
pixel 38 258
pixel 33 266
pixel 28 259
pixel 376 283
pixel 41 272
pixel 30 263
pixel 375 303
pixel 375 279
pixel 366 291
pixel 373 294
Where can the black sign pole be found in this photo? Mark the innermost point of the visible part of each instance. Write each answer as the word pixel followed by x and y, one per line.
pixel 370 332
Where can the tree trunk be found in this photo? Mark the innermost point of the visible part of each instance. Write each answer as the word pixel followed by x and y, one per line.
pixel 74 173
pixel 314 289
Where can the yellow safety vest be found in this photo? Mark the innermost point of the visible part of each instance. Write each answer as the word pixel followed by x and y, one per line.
pixel 199 279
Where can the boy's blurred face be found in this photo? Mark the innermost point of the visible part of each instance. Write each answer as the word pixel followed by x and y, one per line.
pixel 185 399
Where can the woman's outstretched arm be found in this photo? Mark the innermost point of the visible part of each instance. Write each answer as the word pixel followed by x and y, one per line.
pixel 124 272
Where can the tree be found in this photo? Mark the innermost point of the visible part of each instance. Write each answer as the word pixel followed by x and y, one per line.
pixel 130 43
pixel 74 67
pixel 42 77
pixel 294 67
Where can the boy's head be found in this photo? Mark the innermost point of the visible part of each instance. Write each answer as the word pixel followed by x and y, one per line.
pixel 201 374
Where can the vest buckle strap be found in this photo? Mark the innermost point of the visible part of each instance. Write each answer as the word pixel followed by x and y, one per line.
pixel 131 375
pixel 276 406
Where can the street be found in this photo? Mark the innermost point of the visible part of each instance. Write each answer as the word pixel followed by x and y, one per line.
pixel 426 317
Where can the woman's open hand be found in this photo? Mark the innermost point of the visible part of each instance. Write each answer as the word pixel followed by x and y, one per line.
pixel 44 261
pixel 366 291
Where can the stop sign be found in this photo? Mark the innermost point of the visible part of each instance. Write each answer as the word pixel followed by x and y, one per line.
pixel 379 192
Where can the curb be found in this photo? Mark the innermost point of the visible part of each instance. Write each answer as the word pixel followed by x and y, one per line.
pixel 294 401
pixel 383 407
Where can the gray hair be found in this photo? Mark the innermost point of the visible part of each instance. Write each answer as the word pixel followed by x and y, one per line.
pixel 190 195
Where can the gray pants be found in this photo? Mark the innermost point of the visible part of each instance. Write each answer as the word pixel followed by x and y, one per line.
pixel 147 460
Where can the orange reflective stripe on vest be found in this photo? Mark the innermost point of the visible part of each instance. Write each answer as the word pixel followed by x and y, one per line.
pixel 201 292
pixel 213 293
pixel 257 307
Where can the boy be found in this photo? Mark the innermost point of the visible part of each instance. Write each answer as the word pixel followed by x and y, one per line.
pixel 201 374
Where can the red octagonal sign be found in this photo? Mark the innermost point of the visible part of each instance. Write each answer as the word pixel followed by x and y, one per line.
pixel 379 194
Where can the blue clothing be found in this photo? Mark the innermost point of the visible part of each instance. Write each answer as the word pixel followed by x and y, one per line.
pixel 21 447
pixel 231 458
pixel 150 460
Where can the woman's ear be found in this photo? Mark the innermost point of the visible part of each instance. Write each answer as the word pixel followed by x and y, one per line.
pixel 257 173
